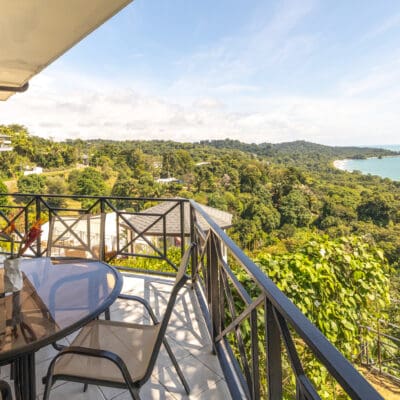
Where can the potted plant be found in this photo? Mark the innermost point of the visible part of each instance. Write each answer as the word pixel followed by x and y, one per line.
pixel 12 271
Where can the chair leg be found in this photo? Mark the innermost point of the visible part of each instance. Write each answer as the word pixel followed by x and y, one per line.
pixel 5 391
pixel 49 379
pixel 47 388
pixel 134 392
pixel 46 393
pixel 176 366
pixel 12 371
pixel 85 387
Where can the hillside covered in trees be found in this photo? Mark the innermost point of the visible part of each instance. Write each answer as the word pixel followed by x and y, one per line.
pixel 279 194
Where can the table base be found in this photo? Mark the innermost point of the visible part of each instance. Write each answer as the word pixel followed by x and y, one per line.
pixel 24 377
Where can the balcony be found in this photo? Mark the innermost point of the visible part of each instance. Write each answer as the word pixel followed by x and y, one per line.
pixel 235 337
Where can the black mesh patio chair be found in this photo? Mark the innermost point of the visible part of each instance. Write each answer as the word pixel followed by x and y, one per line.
pixel 118 354
pixel 5 391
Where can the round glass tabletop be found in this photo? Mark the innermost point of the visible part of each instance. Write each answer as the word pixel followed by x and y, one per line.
pixel 55 300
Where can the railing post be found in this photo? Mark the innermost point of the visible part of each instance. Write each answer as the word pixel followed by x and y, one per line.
pixel 38 217
pixel 273 351
pixel 182 221
pixel 379 348
pixel 193 239
pixel 255 359
pixel 362 347
pixel 102 244
pixel 214 287
pixel 208 272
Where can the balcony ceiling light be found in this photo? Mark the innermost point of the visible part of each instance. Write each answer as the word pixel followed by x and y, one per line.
pixel 35 33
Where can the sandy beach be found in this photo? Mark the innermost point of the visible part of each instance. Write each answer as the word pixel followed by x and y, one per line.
pixel 340 164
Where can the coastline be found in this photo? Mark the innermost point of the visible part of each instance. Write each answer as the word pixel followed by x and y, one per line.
pixel 341 164
pixel 376 166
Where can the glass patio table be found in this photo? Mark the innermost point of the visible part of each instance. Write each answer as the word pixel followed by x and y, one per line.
pixel 56 299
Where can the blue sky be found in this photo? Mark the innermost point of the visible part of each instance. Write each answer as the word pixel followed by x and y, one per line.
pixel 258 71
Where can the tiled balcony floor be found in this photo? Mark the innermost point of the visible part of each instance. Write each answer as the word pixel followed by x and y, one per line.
pixel 186 333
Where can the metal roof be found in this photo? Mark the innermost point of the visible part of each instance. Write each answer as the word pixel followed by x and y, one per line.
pixel 172 213
pixel 35 33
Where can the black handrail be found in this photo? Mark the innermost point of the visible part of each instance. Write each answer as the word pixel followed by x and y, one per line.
pixel 338 366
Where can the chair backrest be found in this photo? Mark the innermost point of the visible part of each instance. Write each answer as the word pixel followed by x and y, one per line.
pixel 180 280
pixel 77 236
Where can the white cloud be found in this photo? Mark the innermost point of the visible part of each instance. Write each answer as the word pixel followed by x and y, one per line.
pixel 96 109
pixel 383 78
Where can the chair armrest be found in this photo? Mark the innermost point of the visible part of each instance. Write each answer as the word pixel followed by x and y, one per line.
pixel 142 301
pixel 109 355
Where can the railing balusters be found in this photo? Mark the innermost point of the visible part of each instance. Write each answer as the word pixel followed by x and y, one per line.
pixel 192 221
pixel 214 292
pixel 182 224
pixel 164 224
pixel 273 352
pixel 102 249
pixel 255 359
pixel 202 258
pixel 38 217
pixel 379 350
pixel 238 334
pixel 221 302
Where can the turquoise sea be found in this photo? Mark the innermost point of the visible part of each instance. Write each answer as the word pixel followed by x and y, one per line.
pixel 386 167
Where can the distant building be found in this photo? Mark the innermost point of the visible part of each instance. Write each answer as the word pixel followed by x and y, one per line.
pixel 33 171
pixel 5 143
pixel 165 220
pixel 202 163
pixel 153 225
pixel 168 180
pixel 85 159
pixel 157 164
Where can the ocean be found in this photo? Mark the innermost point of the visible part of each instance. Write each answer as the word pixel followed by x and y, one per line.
pixel 386 167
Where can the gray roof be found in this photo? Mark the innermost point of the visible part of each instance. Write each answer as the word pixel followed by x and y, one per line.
pixel 171 211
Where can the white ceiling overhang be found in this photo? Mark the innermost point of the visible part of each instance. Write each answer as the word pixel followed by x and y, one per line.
pixel 33 33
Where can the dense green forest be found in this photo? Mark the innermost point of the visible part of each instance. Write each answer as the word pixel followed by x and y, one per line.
pixel 279 194
pixel 335 234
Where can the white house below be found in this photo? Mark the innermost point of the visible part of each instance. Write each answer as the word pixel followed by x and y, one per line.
pixel 167 180
pixel 33 171
pixel 5 143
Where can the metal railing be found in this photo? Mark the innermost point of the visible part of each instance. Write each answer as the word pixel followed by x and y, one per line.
pixel 83 227
pixel 380 349
pixel 239 317
pixel 257 332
